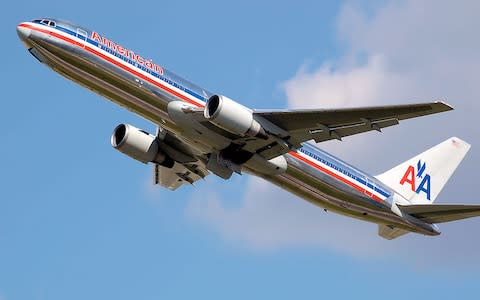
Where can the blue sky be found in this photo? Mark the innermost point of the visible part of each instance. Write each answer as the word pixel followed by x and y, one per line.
pixel 79 220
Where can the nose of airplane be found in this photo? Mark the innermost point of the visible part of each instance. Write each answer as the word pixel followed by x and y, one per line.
pixel 24 33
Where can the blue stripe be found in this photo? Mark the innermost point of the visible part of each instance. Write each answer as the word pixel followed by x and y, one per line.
pixel 67 31
pixel 382 192
pixel 131 62
pixel 345 172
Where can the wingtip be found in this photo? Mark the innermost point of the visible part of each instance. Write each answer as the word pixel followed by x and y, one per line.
pixel 456 141
pixel 444 106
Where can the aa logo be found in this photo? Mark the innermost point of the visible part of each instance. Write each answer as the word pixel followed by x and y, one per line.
pixel 413 176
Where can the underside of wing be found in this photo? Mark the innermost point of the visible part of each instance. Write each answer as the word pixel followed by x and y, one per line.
pixel 178 175
pixel 187 167
pixel 327 124
pixel 228 136
pixel 441 213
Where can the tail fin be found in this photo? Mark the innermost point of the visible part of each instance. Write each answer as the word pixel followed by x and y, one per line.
pixel 420 179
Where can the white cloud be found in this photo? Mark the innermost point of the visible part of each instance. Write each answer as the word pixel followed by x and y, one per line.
pixel 276 220
pixel 404 52
pixel 339 86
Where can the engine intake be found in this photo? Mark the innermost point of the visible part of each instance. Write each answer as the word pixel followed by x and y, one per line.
pixel 139 145
pixel 233 117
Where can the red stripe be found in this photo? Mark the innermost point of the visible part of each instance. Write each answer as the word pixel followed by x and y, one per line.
pixel 118 64
pixel 334 175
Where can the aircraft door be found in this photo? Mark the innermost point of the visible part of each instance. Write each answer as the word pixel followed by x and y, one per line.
pixel 369 187
pixel 82 34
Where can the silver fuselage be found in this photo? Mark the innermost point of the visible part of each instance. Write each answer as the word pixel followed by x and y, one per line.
pixel 142 86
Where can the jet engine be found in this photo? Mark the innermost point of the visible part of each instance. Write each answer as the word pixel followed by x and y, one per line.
pixel 139 145
pixel 233 117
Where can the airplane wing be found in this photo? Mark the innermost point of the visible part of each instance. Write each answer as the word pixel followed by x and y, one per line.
pixel 187 169
pixel 326 124
pixel 285 130
pixel 178 175
pixel 441 213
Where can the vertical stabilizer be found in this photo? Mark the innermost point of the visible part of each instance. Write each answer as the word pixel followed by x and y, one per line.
pixel 421 179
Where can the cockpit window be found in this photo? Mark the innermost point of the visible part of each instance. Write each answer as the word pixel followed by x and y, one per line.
pixel 37 21
pixel 45 22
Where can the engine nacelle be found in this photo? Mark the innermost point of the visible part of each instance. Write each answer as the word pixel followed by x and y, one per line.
pixel 233 117
pixel 139 145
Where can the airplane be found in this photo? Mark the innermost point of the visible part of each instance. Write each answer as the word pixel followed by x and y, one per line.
pixel 199 132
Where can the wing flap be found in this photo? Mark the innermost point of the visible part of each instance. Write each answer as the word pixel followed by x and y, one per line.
pixel 178 175
pixel 390 232
pixel 338 132
pixel 441 213
pixel 327 124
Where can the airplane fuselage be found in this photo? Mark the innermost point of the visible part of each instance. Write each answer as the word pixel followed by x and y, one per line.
pixel 146 88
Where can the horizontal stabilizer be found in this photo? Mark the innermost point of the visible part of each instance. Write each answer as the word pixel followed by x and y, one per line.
pixel 441 213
